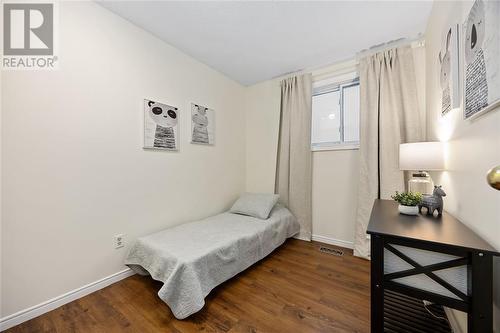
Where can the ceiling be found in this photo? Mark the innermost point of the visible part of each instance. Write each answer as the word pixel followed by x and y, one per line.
pixel 252 41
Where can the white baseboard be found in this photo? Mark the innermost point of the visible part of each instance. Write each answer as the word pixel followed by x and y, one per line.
pixel 37 310
pixel 300 237
pixel 333 241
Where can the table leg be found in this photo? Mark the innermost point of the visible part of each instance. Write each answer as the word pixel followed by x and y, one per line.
pixel 480 316
pixel 377 287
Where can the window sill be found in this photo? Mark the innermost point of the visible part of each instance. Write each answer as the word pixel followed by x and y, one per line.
pixel 336 147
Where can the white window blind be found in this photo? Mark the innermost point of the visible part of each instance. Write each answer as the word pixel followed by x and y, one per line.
pixel 335 115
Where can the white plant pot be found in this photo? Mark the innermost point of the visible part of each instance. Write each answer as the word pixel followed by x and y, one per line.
pixel 408 210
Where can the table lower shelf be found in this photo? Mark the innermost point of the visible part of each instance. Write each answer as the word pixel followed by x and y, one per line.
pixel 407 314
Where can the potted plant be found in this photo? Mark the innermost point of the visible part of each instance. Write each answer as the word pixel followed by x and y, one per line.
pixel 408 202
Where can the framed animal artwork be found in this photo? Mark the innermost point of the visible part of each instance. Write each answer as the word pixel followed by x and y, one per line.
pixel 481 42
pixel 161 126
pixel 202 125
pixel 449 58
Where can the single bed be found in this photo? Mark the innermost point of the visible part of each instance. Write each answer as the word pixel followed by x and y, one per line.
pixel 193 258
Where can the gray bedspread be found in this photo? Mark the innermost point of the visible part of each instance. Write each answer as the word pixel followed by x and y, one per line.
pixel 193 258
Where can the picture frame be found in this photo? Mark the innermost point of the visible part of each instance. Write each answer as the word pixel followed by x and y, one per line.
pixel 449 75
pixel 202 125
pixel 161 126
pixel 481 54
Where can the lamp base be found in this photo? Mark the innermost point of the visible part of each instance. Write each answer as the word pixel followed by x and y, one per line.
pixel 420 182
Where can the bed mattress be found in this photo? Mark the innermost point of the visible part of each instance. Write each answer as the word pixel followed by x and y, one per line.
pixel 193 258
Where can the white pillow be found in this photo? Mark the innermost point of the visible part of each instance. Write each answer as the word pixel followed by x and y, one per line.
pixel 255 204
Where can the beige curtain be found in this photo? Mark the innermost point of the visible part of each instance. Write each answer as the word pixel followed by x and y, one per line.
pixel 390 114
pixel 293 170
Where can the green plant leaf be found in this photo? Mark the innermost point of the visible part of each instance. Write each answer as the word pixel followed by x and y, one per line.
pixel 407 198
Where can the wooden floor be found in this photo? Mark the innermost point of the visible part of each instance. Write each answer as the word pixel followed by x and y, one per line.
pixel 296 289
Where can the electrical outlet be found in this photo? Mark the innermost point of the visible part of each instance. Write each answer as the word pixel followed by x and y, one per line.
pixel 119 241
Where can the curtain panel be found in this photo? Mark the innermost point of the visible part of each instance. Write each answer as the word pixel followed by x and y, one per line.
pixel 294 162
pixel 390 114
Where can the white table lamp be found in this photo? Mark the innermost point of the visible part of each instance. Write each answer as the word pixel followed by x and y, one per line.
pixel 421 157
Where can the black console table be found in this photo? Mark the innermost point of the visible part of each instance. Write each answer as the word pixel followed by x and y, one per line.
pixel 443 235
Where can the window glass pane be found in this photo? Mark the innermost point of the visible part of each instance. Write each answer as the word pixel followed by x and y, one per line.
pixel 326 118
pixel 351 113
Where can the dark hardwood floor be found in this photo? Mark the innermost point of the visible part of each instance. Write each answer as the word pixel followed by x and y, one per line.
pixel 296 289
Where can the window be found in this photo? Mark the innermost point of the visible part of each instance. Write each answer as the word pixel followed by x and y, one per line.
pixel 335 114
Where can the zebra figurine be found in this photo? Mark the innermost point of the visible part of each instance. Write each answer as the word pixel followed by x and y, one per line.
pixel 433 202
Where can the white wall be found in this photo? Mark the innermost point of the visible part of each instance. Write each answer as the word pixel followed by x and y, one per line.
pixel 335 195
pixel 1 201
pixel 473 146
pixel 262 130
pixel 73 168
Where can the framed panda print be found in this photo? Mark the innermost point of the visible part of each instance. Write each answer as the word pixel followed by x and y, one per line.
pixel 202 125
pixel 482 58
pixel 161 126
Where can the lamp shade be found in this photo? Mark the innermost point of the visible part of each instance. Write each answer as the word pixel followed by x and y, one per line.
pixel 424 156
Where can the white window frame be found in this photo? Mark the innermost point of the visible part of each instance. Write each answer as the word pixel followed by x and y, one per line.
pixel 328 86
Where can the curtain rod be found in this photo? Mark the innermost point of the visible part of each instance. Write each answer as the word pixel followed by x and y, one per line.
pixel 323 72
pixel 415 42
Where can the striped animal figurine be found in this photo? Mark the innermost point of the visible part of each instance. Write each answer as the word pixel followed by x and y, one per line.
pixel 433 202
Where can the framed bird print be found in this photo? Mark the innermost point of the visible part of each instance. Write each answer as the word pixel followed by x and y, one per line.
pixel 202 125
